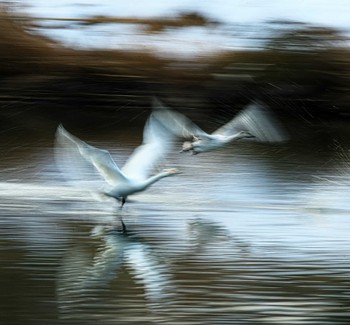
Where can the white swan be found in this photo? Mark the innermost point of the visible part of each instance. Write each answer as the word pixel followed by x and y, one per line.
pixel 134 177
pixel 255 121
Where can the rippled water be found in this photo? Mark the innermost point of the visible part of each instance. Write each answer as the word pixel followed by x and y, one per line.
pixel 251 234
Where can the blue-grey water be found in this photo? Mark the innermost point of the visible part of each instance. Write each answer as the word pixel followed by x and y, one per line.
pixel 250 234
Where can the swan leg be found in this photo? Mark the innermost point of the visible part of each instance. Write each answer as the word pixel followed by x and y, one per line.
pixel 123 225
pixel 123 200
pixel 124 231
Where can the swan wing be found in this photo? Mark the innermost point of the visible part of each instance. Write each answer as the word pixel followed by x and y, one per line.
pixel 257 120
pixel 100 159
pixel 157 141
pixel 176 122
pixel 75 169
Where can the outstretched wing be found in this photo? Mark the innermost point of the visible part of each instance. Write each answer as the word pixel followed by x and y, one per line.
pixel 157 141
pixel 257 120
pixel 176 122
pixel 69 148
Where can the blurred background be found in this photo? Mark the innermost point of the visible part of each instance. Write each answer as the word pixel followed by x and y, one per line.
pixel 107 58
pixel 252 234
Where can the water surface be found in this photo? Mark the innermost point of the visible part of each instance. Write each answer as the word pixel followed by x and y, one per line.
pixel 251 234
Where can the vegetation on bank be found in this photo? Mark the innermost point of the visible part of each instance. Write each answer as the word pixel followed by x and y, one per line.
pixel 302 69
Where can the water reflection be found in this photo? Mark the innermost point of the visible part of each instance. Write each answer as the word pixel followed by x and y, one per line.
pixel 85 277
pixel 210 239
pixel 250 235
pixel 121 272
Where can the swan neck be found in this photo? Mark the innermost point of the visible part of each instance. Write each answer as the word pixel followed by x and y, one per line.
pixel 156 178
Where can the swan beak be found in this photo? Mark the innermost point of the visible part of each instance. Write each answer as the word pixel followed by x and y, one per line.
pixel 173 171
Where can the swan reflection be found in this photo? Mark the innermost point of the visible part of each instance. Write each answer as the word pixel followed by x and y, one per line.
pixel 94 275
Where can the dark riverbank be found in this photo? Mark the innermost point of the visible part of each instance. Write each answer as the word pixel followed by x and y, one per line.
pixel 302 74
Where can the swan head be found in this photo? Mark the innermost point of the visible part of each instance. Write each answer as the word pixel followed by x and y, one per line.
pixel 171 171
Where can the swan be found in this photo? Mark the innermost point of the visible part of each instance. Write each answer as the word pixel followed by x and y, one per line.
pixel 134 176
pixel 255 121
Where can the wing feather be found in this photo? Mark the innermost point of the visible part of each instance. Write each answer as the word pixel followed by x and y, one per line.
pixel 100 159
pixel 176 122
pixel 257 120
pixel 157 141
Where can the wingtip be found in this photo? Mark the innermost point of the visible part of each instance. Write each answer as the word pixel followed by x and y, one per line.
pixel 61 132
pixel 60 129
pixel 156 103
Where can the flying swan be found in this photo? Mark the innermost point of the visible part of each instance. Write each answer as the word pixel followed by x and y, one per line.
pixel 134 176
pixel 255 121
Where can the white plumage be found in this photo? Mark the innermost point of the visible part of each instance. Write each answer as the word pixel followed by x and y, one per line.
pixel 133 177
pixel 255 121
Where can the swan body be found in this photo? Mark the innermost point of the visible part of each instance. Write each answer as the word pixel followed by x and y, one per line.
pixel 212 142
pixel 134 176
pixel 131 186
pixel 255 121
